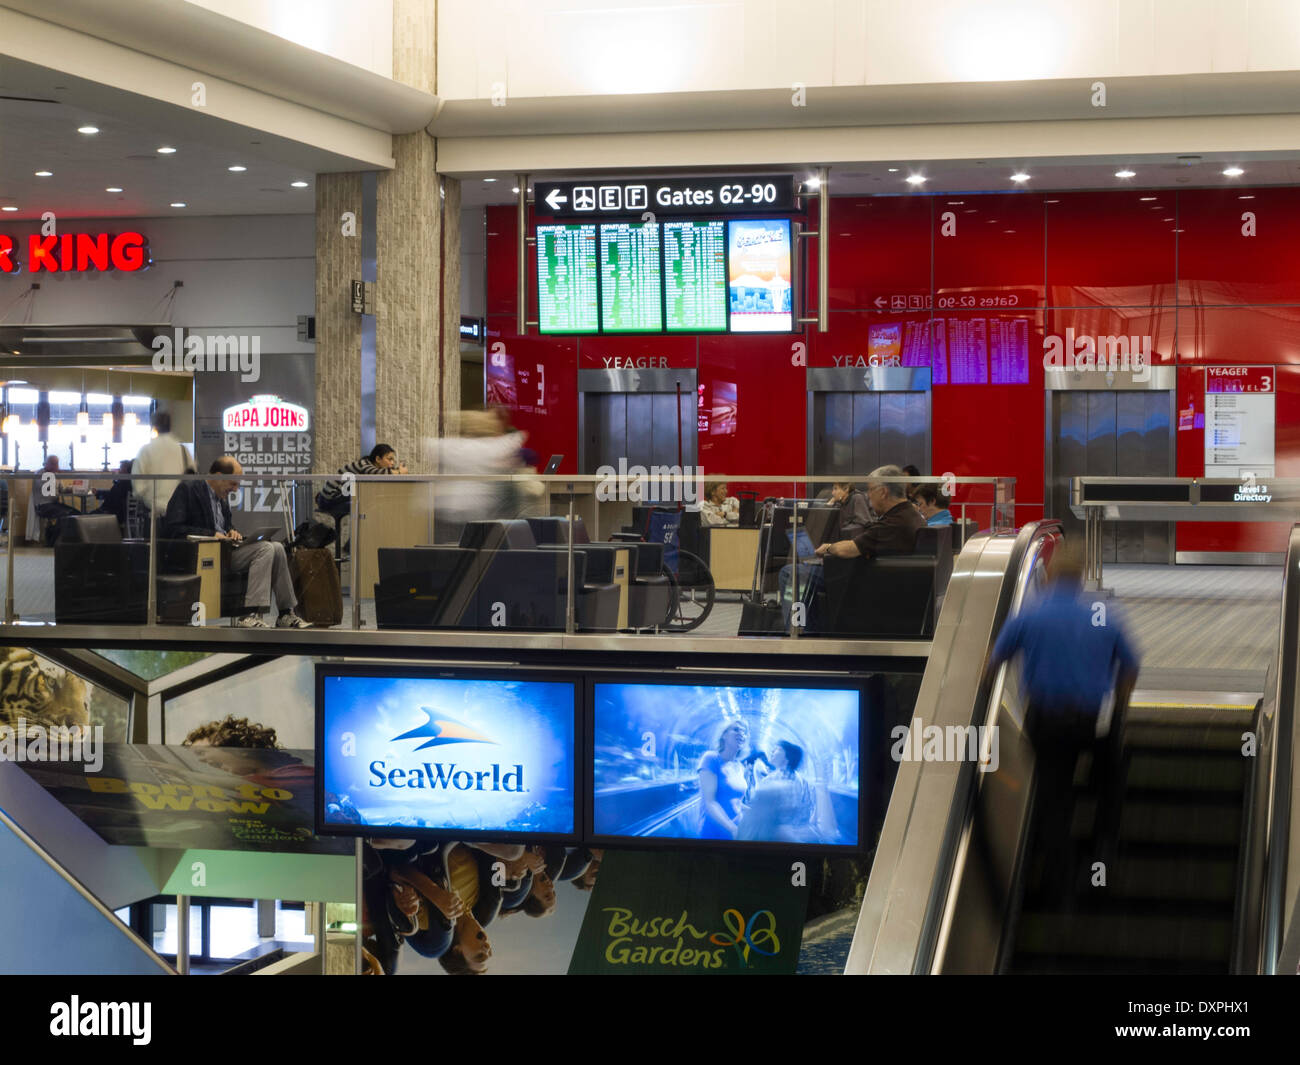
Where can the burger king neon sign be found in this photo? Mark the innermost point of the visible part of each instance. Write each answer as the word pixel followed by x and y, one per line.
pixel 69 253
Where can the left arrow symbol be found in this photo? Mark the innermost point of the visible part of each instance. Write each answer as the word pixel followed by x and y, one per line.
pixel 554 199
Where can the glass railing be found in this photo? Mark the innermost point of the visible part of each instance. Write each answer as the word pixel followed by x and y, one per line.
pixel 636 552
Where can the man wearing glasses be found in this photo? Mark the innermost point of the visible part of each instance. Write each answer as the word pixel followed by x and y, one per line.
pixel 896 525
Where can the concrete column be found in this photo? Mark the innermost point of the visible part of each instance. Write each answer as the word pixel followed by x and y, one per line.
pixel 450 303
pixel 338 329
pixel 408 317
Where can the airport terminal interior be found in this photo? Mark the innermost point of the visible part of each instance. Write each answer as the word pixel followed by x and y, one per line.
pixel 601 487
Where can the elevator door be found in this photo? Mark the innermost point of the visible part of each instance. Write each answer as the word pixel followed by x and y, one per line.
pixel 855 432
pixel 639 427
pixel 1112 434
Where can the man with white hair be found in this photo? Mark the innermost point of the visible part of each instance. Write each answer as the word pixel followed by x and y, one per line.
pixel 896 525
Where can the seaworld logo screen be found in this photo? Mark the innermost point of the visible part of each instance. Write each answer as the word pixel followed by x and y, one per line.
pixel 449 754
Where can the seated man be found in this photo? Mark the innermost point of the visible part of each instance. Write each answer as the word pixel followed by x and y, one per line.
pixel 200 508
pixel 855 516
pixel 896 525
pixel 932 504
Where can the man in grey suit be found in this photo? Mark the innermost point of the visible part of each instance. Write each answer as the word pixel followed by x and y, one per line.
pixel 200 508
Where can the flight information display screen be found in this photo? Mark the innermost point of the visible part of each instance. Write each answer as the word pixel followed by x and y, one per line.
pixel 695 277
pixel 631 296
pixel 567 293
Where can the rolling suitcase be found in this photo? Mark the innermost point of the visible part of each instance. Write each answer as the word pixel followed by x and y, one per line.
pixel 316 583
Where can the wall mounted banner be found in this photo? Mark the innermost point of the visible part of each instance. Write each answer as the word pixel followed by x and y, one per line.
pixel 703 194
pixel 214 798
pixel 693 913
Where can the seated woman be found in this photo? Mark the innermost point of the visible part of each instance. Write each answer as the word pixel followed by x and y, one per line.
pixel 932 504
pixel 718 508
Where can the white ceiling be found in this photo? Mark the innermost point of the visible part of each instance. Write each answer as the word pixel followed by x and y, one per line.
pixel 40 111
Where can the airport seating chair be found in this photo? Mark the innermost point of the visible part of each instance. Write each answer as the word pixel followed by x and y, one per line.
pixel 100 578
pixel 889 596
pixel 935 541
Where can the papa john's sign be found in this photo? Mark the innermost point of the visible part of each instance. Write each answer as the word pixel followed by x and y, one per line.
pixel 265 413
pixel 69 253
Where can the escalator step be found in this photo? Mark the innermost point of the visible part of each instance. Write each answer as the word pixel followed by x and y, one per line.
pixel 1177 771
pixel 1203 939
pixel 1166 738
pixel 1144 820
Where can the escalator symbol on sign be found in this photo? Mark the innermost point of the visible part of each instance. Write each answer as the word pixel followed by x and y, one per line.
pixel 584 198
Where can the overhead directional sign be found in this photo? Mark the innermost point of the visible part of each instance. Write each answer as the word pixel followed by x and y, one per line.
pixel 706 194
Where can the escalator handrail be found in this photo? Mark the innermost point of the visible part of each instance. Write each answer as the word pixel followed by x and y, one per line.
pixel 886 938
pixel 1262 885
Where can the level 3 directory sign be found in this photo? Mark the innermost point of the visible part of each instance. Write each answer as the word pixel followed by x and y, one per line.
pixel 1240 421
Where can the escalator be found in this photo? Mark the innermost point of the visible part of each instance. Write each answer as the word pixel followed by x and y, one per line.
pixel 1168 901
pixel 1200 881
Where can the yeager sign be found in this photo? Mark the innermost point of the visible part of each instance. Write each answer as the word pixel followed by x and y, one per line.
pixel 76 253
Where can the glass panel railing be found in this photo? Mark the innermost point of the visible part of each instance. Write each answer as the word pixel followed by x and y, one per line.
pixel 650 552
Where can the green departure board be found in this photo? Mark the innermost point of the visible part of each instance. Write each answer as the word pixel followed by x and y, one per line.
pixel 695 277
pixel 566 279
pixel 631 298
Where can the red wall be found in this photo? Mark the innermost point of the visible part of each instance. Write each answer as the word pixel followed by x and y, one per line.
pixel 1182 266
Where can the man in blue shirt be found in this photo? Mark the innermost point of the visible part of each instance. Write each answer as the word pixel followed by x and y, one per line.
pixel 1074 660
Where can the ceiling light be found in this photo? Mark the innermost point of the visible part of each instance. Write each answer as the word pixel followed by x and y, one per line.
pixel 955 203
pixel 1245 197
pixel 166 151
pixel 1008 231
pixel 1019 175
pixel 1233 171
pixel 893 170
pixel 1053 201
pixel 112 188
pixel 1166 219
pixel 812 183
pixel 298 184
pixel 1125 173
pixel 236 169
pixel 515 190
pixel 178 204
pixel 45 173
pixel 88 130
pixel 915 179
pixel 1145 199
pixel 488 180
pixel 8 207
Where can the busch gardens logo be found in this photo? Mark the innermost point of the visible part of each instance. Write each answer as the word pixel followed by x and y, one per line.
pixel 436 732
pixel 685 946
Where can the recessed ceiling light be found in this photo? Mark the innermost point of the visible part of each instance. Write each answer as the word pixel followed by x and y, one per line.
pixel 88 130
pixel 915 179
pixel 1019 175
pixel 165 150
pixel 8 207
pixel 893 170
pixel 812 183
pixel 178 205
pixel 1145 199
pixel 1233 171
pixel 1166 219
pixel 236 169
pixel 45 173
pixel 1245 197
pixel 1125 173
pixel 298 184
pixel 488 180
pixel 1052 201
pixel 112 188
pixel 955 203
pixel 515 190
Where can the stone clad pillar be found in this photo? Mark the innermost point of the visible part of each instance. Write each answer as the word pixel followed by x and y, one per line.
pixel 338 329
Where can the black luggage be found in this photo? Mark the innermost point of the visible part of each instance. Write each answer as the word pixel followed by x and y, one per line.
pixel 316 583
pixel 760 619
